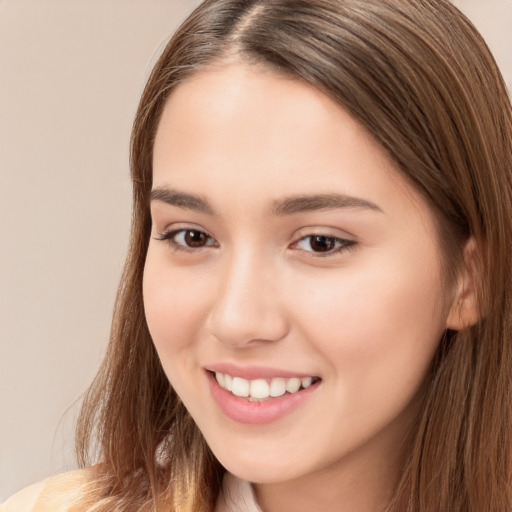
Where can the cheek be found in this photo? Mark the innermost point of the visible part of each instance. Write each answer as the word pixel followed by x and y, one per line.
pixel 376 334
pixel 375 325
pixel 175 305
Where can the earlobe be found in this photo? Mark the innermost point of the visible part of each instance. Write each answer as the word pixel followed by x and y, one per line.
pixel 466 310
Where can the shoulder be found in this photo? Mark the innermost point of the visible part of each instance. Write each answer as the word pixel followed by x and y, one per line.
pixel 54 494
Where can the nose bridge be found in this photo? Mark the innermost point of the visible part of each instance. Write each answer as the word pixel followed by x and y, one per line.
pixel 247 308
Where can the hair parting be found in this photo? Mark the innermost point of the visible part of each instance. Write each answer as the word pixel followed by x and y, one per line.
pixel 422 81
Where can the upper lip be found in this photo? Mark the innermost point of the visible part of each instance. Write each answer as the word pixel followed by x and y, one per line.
pixel 253 372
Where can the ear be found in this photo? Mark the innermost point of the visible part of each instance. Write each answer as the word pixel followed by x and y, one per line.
pixel 465 310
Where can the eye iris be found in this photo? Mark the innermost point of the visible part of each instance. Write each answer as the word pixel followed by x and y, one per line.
pixel 195 238
pixel 322 243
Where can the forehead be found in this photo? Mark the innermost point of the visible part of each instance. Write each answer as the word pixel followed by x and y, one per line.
pixel 245 127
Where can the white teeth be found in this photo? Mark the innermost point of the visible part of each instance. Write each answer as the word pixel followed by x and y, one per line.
pixel 228 380
pixel 221 379
pixel 293 385
pixel 306 382
pixel 240 387
pixel 259 389
pixel 277 387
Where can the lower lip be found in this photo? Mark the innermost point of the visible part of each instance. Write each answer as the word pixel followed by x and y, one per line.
pixel 259 412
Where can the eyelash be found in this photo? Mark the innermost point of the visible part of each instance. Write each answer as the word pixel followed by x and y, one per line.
pixel 170 236
pixel 340 244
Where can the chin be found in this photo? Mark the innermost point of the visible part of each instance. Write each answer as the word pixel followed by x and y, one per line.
pixel 261 473
pixel 261 469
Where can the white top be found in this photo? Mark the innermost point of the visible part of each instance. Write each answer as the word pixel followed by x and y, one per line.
pixel 236 496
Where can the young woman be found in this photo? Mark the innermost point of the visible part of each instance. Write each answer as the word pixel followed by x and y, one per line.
pixel 316 306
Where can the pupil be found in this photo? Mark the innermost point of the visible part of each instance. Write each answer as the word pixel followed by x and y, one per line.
pixel 195 238
pixel 322 243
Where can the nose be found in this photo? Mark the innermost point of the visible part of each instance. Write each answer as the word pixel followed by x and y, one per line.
pixel 247 309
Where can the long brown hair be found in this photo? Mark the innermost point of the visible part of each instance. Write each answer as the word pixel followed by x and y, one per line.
pixel 420 78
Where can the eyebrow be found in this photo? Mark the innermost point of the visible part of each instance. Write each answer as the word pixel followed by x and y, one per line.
pixel 182 200
pixel 316 202
pixel 282 207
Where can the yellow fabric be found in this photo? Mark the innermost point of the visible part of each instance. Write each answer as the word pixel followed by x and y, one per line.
pixel 59 494
pixel 54 494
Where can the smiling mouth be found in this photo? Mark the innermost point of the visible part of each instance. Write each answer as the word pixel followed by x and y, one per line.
pixel 262 389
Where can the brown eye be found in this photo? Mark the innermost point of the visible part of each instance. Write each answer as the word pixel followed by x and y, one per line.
pixel 322 243
pixel 187 239
pixel 195 238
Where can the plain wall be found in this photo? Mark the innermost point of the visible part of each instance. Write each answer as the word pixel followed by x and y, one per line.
pixel 71 73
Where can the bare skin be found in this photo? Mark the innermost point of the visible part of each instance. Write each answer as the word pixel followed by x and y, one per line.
pixel 347 287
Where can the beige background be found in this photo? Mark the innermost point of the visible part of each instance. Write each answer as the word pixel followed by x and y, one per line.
pixel 71 72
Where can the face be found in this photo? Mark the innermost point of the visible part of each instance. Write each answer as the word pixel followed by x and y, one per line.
pixel 290 263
